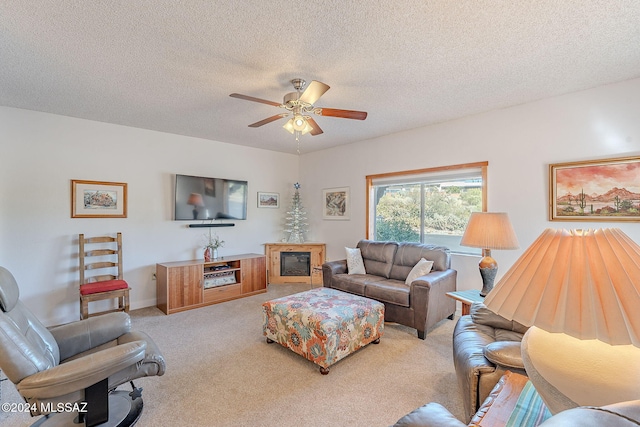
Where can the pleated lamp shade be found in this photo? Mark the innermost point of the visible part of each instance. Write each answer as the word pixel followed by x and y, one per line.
pixel 584 283
pixel 489 230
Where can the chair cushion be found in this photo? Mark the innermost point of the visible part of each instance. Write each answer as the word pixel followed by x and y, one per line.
pixel 104 286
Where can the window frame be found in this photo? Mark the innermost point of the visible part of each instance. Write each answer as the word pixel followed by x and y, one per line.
pixel 483 166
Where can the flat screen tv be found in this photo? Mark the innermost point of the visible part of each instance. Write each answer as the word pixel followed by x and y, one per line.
pixel 201 198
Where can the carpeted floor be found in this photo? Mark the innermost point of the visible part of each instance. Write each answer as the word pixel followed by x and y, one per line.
pixel 221 372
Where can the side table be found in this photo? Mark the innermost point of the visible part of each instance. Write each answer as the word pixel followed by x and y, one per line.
pixel 512 402
pixel 316 269
pixel 467 298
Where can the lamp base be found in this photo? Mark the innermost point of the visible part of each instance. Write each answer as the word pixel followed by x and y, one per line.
pixel 569 372
pixel 488 276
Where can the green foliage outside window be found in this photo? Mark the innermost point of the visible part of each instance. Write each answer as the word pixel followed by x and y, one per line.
pixel 446 211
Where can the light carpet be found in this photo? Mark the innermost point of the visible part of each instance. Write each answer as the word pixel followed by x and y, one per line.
pixel 221 372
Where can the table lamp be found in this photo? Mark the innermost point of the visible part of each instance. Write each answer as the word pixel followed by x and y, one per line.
pixel 489 230
pixel 195 200
pixel 579 291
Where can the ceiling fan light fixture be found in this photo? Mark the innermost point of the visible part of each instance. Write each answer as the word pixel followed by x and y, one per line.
pixel 299 122
pixel 300 103
pixel 307 127
pixel 289 126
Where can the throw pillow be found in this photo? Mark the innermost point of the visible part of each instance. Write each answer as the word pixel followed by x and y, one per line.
pixel 355 265
pixel 420 269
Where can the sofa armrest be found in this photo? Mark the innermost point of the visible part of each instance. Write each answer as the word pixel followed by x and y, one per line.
pixel 430 415
pixel 505 353
pixel 76 337
pixel 431 279
pixel 331 268
pixel 469 340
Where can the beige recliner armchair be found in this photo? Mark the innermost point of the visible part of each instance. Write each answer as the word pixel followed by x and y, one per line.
pixel 76 366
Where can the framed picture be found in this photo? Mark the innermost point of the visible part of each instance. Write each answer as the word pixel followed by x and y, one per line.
pixel 335 203
pixel 597 190
pixel 98 199
pixel 268 200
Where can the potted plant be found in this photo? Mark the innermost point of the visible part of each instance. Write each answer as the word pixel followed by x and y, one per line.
pixel 211 247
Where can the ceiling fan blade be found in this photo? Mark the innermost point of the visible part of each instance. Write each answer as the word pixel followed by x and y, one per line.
pixel 346 114
pixel 315 129
pixel 313 92
pixel 268 120
pixel 251 98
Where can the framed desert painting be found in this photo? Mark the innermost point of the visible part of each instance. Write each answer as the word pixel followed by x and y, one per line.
pixel 597 190
pixel 98 199
pixel 335 203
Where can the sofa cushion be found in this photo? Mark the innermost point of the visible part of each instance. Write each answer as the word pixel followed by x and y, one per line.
pixel 378 257
pixel 420 269
pixel 353 283
pixel 355 264
pixel 389 291
pixel 408 255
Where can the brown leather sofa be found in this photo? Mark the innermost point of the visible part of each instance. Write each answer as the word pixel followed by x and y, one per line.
pixel 419 305
pixel 485 346
pixel 624 414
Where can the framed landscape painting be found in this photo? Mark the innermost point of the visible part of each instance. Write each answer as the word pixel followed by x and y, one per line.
pixel 98 199
pixel 335 203
pixel 597 190
pixel 268 200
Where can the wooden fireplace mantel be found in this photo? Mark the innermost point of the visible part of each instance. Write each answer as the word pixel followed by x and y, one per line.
pixel 318 254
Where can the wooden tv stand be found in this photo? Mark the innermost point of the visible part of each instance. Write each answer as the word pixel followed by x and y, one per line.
pixel 183 285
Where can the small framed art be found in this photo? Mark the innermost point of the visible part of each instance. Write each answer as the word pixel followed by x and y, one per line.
pixel 335 203
pixel 268 200
pixel 596 190
pixel 98 199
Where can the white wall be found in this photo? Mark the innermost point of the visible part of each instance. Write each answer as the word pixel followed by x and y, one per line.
pixel 519 143
pixel 41 153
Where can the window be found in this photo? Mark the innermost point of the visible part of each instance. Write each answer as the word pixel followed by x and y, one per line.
pixel 428 205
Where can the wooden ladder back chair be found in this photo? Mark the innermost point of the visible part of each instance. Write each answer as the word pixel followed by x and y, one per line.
pixel 101 273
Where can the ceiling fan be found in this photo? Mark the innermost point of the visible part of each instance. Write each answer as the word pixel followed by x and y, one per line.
pixel 299 105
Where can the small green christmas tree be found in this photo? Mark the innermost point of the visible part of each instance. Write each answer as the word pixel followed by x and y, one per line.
pixel 296 217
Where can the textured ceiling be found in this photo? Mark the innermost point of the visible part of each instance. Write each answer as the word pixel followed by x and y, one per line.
pixel 170 65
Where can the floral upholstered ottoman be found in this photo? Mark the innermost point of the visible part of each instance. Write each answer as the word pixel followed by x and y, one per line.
pixel 323 325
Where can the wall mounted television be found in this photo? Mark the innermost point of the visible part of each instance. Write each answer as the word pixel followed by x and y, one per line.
pixel 202 198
